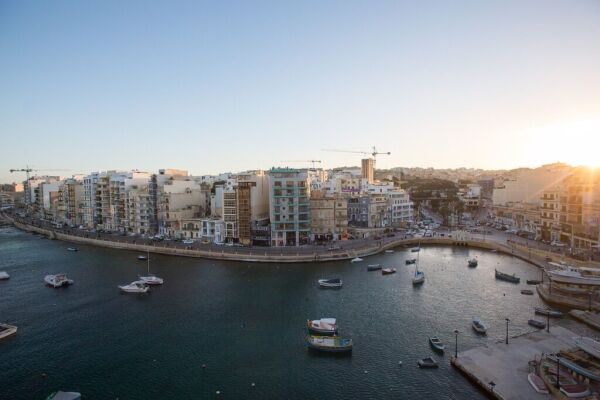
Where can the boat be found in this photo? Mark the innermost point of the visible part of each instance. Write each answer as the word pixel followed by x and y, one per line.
pixel 437 344
pixel 578 369
pixel 373 267
pixel 389 251
pixel 58 280
pixel 575 391
pixel 323 326
pixel 533 282
pixel 415 249
pixel 356 259
pixel 548 312
pixel 135 287
pixel 537 383
pixel 72 249
pixel 572 275
pixel 472 262
pixel 60 395
pixel 387 271
pixel 427 363
pixel 527 292
pixel 589 345
pixel 536 324
pixel 506 277
pixel 7 330
pixel 151 279
pixel 330 283
pixel 142 258
pixel 479 326
pixel 419 278
pixel 4 275
pixel 331 344
pixel 411 261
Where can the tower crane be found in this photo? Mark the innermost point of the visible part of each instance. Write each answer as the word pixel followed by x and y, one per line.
pixel 373 153
pixel 27 171
pixel 304 161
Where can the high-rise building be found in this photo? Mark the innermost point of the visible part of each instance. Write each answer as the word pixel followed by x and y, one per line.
pixel 368 169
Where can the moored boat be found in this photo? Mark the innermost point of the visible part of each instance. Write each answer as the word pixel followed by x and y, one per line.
pixel 415 249
pixel 589 345
pixel 537 383
pixel 533 282
pixel 60 395
pixel 479 326
pixel 575 391
pixel 150 279
pixel 427 362
pixel 411 261
pixel 387 271
pixel 142 258
pixel 356 259
pixel 472 262
pixel 135 287
pixel 419 278
pixel 7 330
pixel 4 275
pixel 58 280
pixel 330 283
pixel 330 344
pixel 72 249
pixel 373 267
pixel 437 344
pixel 536 324
pixel 548 312
pixel 389 251
pixel 323 326
pixel 527 292
pixel 506 277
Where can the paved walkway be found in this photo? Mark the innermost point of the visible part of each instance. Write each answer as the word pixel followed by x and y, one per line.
pixel 507 365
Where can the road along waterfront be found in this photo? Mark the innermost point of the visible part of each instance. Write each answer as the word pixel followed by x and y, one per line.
pixel 245 323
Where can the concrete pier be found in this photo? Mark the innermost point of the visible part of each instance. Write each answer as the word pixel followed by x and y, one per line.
pixel 501 370
pixel 587 317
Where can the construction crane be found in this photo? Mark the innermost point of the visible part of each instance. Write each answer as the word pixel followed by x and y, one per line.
pixel 304 161
pixel 373 153
pixel 27 170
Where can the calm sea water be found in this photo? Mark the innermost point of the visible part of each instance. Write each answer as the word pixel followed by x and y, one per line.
pixel 245 322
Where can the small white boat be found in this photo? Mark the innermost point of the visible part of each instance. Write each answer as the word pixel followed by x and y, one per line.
pixel 415 249
pixel 418 278
pixel 58 280
pixel 389 251
pixel 356 259
pixel 388 271
pixel 331 344
pixel 537 383
pixel 60 395
pixel 437 344
pixel 323 326
pixel 4 275
pixel 71 249
pixel 7 330
pixel 151 279
pixel 330 283
pixel 589 345
pixel 479 326
pixel 135 287
pixel 142 258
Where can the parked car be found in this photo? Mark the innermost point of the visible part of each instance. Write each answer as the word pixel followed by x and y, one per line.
pixel 188 241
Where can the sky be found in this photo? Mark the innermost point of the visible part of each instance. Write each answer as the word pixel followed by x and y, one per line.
pixel 229 86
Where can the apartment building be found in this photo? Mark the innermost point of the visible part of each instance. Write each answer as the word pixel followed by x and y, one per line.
pixel 329 217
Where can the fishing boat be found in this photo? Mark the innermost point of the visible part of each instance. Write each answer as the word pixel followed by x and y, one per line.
pixel 427 363
pixel 72 249
pixel 323 326
pixel 506 277
pixel 388 271
pixel 389 251
pixel 356 259
pixel 142 257
pixel 331 344
pixel 60 395
pixel 479 326
pixel 437 344
pixel 58 280
pixel 527 292
pixel 537 383
pixel 151 279
pixel 575 391
pixel 411 261
pixel 7 330
pixel 472 262
pixel 536 324
pixel 533 282
pixel 135 287
pixel 373 267
pixel 589 345
pixel 548 312
pixel 330 283
pixel 4 275
pixel 578 369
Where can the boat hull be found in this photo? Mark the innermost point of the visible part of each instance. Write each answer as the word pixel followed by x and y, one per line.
pixel 329 344
pixel 507 278
pixel 7 330
pixel 537 324
pixel 537 383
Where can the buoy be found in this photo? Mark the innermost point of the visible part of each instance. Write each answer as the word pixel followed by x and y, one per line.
pixel 366 372
pixel 218 392
pixel 253 384
pixel 203 365
pixel 399 362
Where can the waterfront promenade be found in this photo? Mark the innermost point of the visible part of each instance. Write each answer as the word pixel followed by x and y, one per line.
pixel 343 250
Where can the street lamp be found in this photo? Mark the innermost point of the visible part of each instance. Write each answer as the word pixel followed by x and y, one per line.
pixel 456 343
pixel 507 321
pixel 590 306
pixel 558 371
pixel 548 320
